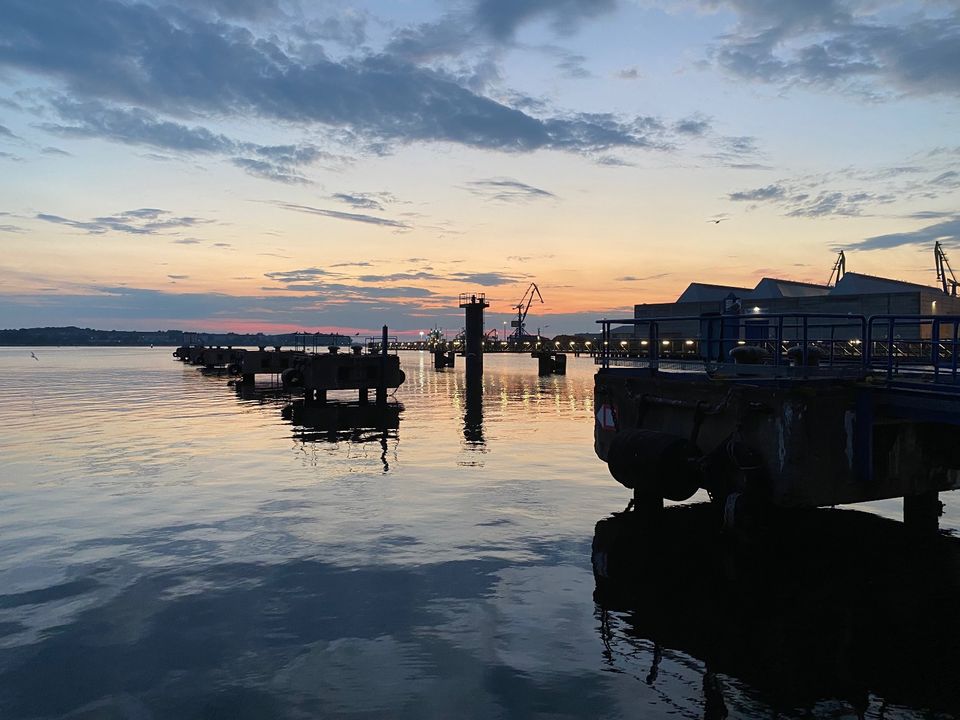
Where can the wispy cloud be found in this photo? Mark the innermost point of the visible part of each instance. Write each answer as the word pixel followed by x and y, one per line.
pixel 365 201
pixel 507 190
pixel 143 221
pixel 947 231
pixel 352 217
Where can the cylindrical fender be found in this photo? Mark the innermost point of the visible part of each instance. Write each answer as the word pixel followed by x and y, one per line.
pixel 291 377
pixel 655 463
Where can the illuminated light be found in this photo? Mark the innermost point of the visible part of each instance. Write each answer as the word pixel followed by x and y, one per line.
pixel 644 342
pixel 756 308
pixel 665 343
pixel 557 343
pixel 741 342
pixel 689 342
pixel 623 343
pixel 588 343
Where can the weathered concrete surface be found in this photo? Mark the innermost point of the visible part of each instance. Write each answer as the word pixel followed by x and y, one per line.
pixel 810 442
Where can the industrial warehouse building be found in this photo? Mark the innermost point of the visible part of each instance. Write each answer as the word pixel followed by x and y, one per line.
pixel 854 294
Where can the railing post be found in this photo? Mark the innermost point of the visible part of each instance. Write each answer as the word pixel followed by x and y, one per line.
pixel 935 347
pixel 890 349
pixel 805 337
pixel 779 348
pixel 953 350
pixel 653 343
pixel 865 349
pixel 833 333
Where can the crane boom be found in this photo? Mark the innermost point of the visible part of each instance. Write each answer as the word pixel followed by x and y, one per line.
pixel 522 308
pixel 949 284
pixel 839 268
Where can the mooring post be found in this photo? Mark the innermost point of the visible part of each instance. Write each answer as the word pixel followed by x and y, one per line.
pixel 382 380
pixel 473 305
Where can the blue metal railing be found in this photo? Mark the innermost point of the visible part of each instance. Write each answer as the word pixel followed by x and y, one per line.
pixel 907 346
pixel 896 344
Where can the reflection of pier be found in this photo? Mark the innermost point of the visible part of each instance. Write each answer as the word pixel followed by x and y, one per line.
pixel 336 422
pixel 834 606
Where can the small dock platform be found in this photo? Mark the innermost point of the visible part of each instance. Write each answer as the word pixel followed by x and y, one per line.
pixel 309 370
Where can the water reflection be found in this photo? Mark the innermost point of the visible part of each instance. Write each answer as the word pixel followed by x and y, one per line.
pixel 837 609
pixel 473 416
pixel 352 422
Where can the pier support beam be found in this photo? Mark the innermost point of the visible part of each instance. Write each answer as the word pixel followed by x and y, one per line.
pixel 314 397
pixel 381 387
pixel 921 513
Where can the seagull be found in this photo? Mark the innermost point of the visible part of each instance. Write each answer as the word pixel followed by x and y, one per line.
pixel 34 356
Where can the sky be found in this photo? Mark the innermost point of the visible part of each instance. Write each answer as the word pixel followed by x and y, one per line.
pixel 277 165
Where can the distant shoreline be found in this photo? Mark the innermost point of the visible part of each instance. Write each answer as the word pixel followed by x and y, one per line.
pixel 87 337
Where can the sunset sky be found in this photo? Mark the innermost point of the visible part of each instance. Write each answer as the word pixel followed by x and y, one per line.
pixel 276 165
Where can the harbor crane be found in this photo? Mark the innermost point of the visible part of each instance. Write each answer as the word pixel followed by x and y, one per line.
pixel 949 284
pixel 522 309
pixel 839 269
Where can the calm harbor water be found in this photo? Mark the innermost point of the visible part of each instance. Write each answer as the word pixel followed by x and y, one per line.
pixel 169 549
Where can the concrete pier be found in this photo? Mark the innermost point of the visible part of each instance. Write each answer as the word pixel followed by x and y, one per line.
pixel 550 363
pixel 320 373
pixel 784 432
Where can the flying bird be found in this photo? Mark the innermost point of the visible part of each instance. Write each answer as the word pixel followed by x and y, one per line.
pixel 717 221
pixel 34 356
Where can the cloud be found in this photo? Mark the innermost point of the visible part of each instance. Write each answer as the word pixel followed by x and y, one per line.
pixel 825 43
pixel 179 277
pixel 485 279
pixel 55 151
pixel 6 132
pixel 634 278
pixel 695 126
pixel 947 231
pixel 611 161
pixel 364 201
pixel 143 221
pixel 269 171
pixel 502 18
pixel 298 276
pixel 11 228
pixel 125 66
pixel 395 277
pixel 136 126
pixel 507 190
pixel 353 217
pixel 769 192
